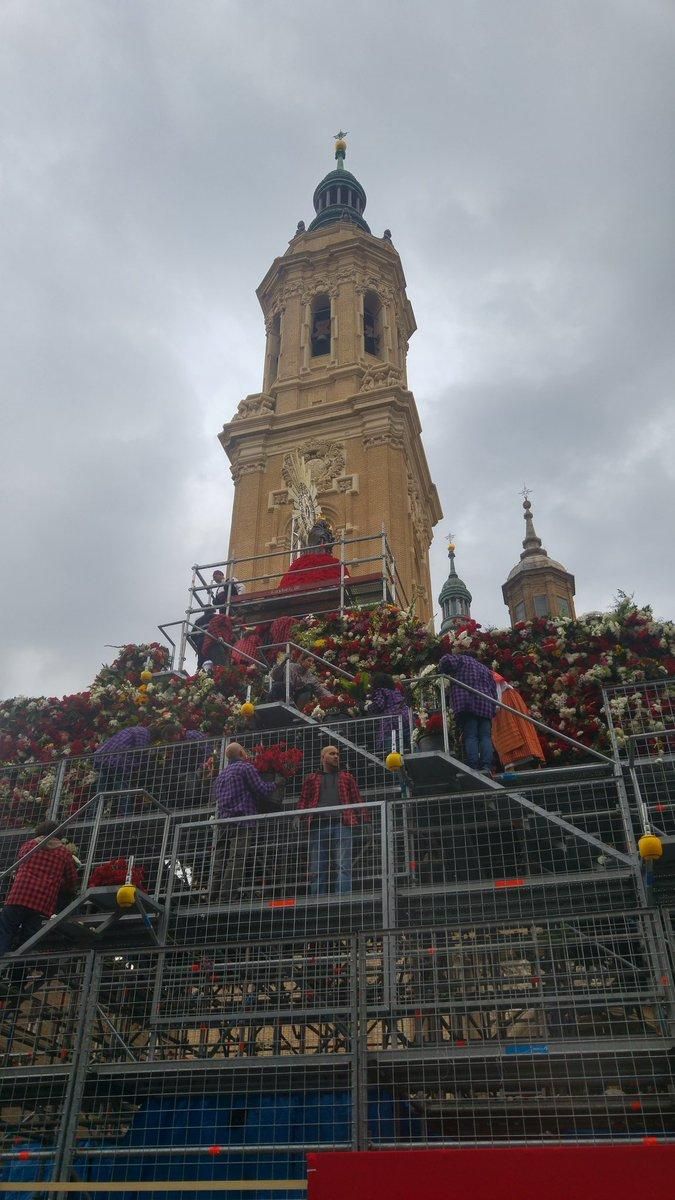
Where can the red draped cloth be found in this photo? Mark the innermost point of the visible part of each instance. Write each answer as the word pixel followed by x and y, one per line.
pixel 311 570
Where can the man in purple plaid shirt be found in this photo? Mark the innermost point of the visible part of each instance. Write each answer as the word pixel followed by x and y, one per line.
pixel 237 791
pixel 473 714
pixel 119 769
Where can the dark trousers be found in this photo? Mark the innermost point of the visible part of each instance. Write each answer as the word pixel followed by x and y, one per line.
pixel 18 922
pixel 233 849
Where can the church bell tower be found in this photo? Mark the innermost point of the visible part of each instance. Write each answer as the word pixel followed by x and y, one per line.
pixel 338 322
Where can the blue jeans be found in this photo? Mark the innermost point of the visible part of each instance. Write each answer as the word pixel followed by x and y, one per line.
pixel 330 846
pixel 477 737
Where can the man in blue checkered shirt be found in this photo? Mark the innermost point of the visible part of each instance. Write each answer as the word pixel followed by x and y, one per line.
pixel 473 714
pixel 237 791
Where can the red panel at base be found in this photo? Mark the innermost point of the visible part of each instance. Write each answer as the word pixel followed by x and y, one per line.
pixel 495 1173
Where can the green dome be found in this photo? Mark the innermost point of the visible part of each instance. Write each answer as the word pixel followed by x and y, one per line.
pixel 455 597
pixel 339 197
pixel 454 586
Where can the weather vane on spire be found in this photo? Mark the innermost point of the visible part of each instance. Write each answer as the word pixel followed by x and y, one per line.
pixel 526 492
pixel 339 136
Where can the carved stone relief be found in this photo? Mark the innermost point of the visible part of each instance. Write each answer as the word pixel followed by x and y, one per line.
pixel 326 460
pixel 247 468
pixel 259 405
pixel 388 438
pixel 382 376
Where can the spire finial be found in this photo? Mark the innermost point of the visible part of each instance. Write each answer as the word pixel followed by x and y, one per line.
pixel 531 543
pixel 451 552
pixel 340 148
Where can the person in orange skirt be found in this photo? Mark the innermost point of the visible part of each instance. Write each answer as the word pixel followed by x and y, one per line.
pixel 516 741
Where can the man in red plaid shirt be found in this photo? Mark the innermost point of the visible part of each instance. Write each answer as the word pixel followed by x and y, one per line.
pixel 37 883
pixel 330 833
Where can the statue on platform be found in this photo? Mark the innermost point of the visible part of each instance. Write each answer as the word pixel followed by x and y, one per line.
pixel 315 566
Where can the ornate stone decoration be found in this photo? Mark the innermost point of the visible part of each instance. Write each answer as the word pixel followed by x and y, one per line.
pixel 278 499
pixel 247 468
pixel 417 514
pixel 258 405
pixel 372 283
pixel 347 483
pixel 384 376
pixel 318 287
pixel 386 438
pixel 325 460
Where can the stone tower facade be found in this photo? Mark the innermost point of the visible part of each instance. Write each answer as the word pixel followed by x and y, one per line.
pixel 538 586
pixel 338 322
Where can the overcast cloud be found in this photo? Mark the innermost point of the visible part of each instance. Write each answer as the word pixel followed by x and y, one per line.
pixel 157 157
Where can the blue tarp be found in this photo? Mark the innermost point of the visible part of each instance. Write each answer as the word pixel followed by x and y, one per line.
pixel 224 1122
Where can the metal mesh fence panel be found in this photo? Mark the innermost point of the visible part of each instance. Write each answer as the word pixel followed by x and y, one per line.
pixel 491 1032
pixel 223 1063
pixel 291 873
pixel 525 851
pixel 642 718
pixel 41 1001
pixel 25 794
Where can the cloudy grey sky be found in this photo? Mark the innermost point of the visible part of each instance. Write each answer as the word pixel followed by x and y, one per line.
pixel 158 155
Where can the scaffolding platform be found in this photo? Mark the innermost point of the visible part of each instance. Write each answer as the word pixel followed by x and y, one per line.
pixel 95 920
pixel 279 715
pixel 363 591
pixel 434 768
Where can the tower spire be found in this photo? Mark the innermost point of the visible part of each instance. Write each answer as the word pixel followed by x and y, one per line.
pixel 340 149
pixel 531 543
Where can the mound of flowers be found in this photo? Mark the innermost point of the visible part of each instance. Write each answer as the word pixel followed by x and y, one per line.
pixel 559 667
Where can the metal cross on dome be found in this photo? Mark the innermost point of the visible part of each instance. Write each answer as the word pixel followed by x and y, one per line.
pixel 526 492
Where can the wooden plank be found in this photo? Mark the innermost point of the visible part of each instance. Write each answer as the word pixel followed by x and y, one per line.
pixel 166 1185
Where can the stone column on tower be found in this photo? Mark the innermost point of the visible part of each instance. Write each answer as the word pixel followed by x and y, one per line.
pixel 338 321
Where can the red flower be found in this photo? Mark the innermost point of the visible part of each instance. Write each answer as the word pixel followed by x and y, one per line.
pixel 278 758
pixel 115 871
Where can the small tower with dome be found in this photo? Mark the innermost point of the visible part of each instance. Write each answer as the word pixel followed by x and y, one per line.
pixel 455 597
pixel 538 586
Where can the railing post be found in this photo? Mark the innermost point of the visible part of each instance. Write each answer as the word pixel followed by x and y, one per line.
pixel 342 573
pixel 52 811
pixel 72 1104
pixel 182 652
pixel 444 715
pixel 287 672
pixel 359 1057
pixel 93 840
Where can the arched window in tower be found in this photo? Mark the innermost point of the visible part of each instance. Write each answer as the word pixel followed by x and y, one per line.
pixel 372 324
pixel 274 347
pixel 320 325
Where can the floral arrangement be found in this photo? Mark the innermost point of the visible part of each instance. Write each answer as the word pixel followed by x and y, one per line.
pixel 559 667
pixel 115 871
pixel 280 759
pixel 430 724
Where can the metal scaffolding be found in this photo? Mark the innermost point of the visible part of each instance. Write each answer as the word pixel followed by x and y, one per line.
pixel 495 971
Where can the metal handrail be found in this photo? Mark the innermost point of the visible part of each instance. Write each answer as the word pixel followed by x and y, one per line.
pixel 555 733
pixel 75 818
